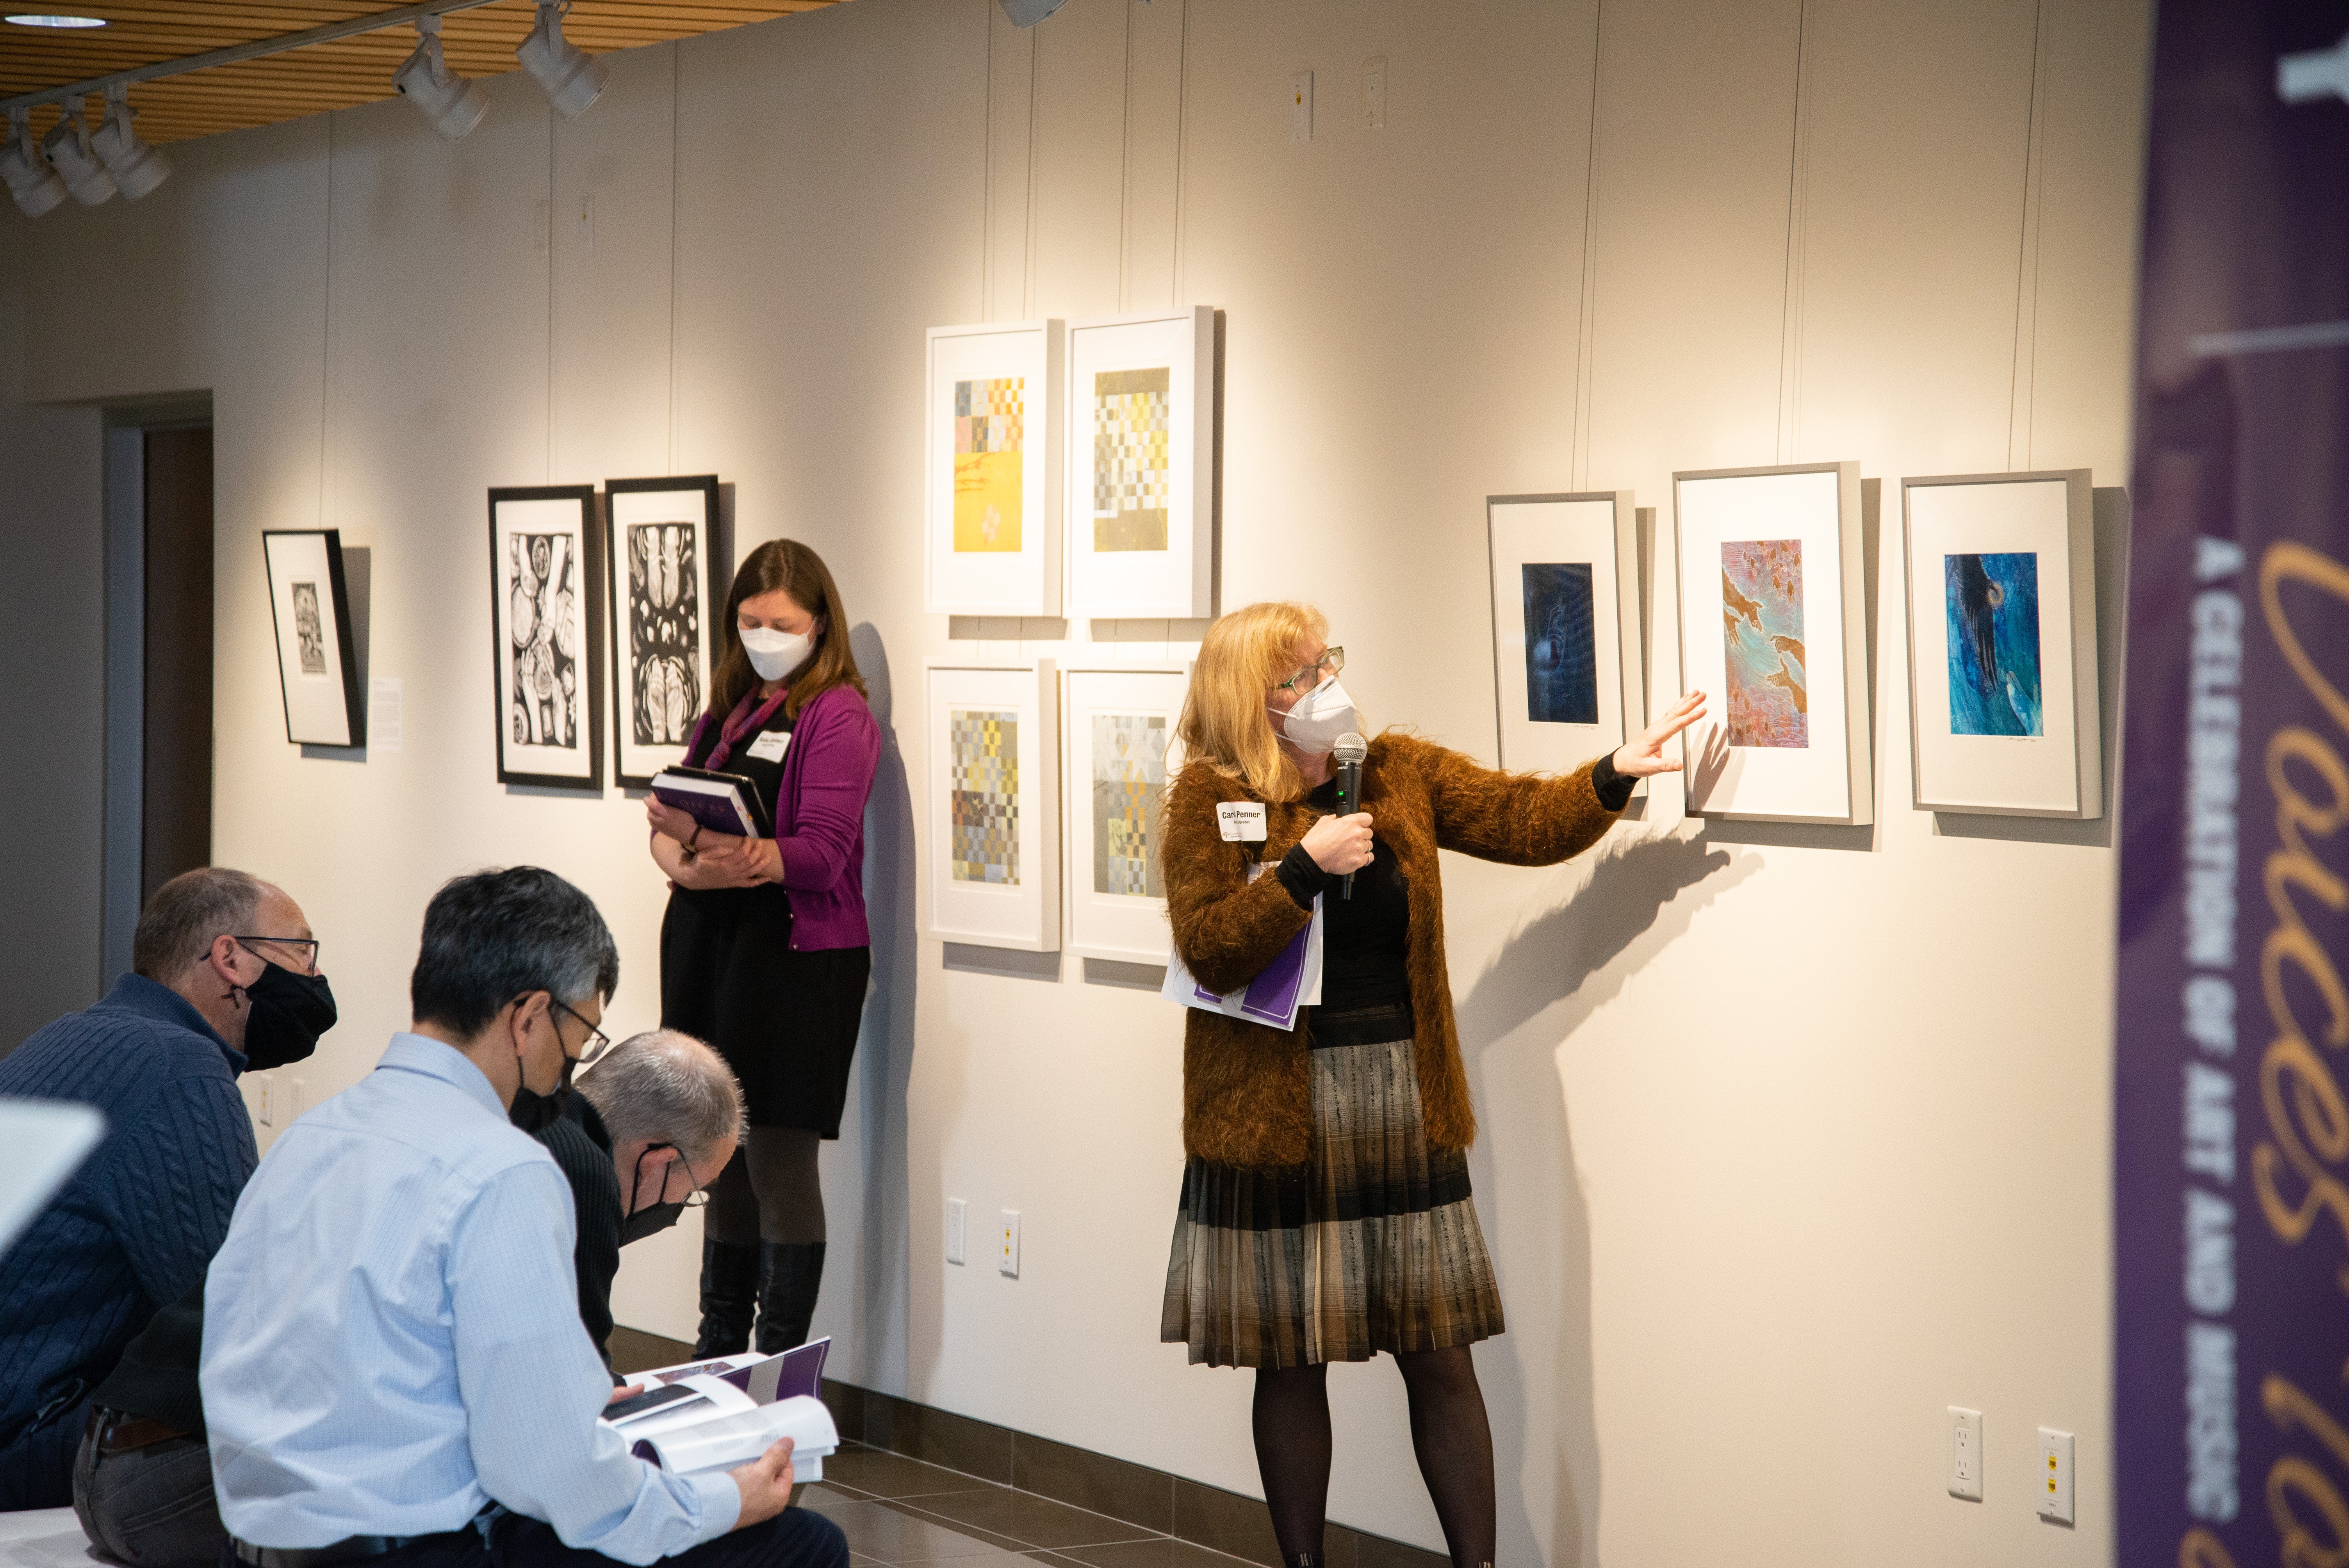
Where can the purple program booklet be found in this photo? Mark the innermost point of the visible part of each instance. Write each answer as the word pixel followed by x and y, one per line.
pixel 1271 996
pixel 722 802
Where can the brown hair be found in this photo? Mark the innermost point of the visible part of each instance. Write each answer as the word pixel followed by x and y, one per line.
pixel 787 564
pixel 1225 720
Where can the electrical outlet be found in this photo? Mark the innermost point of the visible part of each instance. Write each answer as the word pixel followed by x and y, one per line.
pixel 1300 107
pixel 1010 1262
pixel 1374 93
pixel 297 1100
pixel 957 1212
pixel 1965 1453
pixel 2055 1475
pixel 267 1114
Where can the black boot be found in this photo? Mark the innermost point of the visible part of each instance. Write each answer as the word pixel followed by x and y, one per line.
pixel 729 1293
pixel 788 1277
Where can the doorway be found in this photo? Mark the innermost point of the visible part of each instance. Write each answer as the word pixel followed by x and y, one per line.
pixel 158 660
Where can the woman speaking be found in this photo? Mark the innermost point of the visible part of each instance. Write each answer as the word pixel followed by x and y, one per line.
pixel 765 950
pixel 1325 1213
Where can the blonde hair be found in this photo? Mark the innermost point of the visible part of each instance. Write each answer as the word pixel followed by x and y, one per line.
pixel 1227 722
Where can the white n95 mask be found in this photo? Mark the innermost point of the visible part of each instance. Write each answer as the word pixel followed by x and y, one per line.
pixel 1319 718
pixel 773 653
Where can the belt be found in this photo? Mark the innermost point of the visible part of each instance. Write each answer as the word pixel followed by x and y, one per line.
pixel 350 1548
pixel 118 1433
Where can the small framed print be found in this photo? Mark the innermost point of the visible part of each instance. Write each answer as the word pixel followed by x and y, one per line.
pixel 545 614
pixel 318 666
pixel 993 483
pixel 1773 629
pixel 993 864
pixel 1141 487
pixel 668 578
pixel 1118 750
pixel 1567 657
pixel 2003 713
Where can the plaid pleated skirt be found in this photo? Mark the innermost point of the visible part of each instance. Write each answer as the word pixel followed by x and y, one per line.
pixel 1370 1245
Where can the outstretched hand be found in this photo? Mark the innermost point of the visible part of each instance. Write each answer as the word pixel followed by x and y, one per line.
pixel 1643 756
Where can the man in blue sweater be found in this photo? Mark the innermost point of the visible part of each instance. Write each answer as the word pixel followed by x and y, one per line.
pixel 223 975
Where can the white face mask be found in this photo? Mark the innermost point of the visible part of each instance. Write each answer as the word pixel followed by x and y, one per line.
pixel 1319 718
pixel 773 653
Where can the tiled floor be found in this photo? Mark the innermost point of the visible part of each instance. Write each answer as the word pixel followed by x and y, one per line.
pixel 896 1512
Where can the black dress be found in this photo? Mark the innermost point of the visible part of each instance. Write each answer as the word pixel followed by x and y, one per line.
pixel 785 1020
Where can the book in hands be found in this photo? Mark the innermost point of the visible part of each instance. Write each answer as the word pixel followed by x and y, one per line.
pixel 722 1440
pixel 1292 981
pixel 722 802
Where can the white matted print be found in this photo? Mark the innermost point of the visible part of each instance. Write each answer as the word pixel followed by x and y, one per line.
pixel 1566 655
pixel 1118 750
pixel 545 607
pixel 1140 465
pixel 993 479
pixel 1774 631
pixel 317 664
pixel 993 862
pixel 667 579
pixel 2002 708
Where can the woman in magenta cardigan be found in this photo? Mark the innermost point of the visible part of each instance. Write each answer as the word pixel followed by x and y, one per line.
pixel 765 950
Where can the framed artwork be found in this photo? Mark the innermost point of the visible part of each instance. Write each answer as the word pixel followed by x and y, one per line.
pixel 545 608
pixel 318 666
pixel 1118 750
pixel 994 786
pixel 1773 629
pixel 993 484
pixel 1567 657
pixel 668 583
pixel 2003 717
pixel 1141 445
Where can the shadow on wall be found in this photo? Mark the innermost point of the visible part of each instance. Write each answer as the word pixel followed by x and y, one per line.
pixel 1579 954
pixel 880 1311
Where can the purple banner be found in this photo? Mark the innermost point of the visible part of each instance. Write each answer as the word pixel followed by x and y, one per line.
pixel 2231 1141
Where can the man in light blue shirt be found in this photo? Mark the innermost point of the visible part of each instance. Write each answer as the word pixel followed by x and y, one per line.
pixel 394 1366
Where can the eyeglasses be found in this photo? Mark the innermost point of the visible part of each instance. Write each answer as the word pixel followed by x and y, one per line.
pixel 304 948
pixel 1333 659
pixel 598 1042
pixel 695 1197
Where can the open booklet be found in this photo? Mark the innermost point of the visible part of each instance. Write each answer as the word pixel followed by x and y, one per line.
pixel 740 1404
pixel 1292 980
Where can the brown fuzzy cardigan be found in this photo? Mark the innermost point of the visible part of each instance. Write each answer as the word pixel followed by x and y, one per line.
pixel 1246 1097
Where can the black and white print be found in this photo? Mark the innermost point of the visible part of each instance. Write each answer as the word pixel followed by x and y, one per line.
pixel 664 632
pixel 309 629
pixel 543 589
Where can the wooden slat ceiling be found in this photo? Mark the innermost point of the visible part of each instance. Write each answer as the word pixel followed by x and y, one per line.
pixel 355 70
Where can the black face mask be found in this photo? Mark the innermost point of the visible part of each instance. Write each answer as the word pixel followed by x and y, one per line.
pixel 535 1112
pixel 289 1012
pixel 653 1218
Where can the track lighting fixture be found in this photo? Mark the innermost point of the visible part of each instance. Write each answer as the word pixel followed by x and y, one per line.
pixel 451 105
pixel 67 145
pixel 1027 13
pixel 136 166
pixel 571 78
pixel 31 180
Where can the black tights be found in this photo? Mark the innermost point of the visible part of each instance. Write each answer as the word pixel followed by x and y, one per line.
pixel 768 1192
pixel 1449 1432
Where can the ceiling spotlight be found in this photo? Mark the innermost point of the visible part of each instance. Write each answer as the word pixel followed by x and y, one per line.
pixel 67 145
pixel 46 19
pixel 31 180
pixel 1027 13
pixel 571 77
pixel 451 105
pixel 136 166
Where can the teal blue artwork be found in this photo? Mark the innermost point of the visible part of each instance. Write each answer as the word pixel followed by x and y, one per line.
pixel 1562 645
pixel 1993 622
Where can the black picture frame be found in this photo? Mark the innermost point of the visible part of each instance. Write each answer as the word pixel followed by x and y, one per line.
pixel 715 574
pixel 586 707
pixel 338 597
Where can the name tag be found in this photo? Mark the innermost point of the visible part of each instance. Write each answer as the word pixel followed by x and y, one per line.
pixel 1241 821
pixel 769 748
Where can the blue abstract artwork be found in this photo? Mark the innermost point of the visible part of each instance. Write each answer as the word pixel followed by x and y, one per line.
pixel 1561 647
pixel 1993 623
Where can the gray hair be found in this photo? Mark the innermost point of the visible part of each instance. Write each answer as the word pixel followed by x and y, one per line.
pixel 495 935
pixel 177 927
pixel 666 1087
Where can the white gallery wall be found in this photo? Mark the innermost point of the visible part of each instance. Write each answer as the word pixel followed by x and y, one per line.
pixel 1793 1137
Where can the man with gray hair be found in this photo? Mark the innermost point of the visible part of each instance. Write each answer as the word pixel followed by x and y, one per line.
pixel 224 976
pixel 393 1361
pixel 640 1140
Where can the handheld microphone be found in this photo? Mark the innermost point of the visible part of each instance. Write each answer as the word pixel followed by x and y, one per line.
pixel 1350 752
